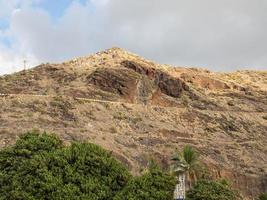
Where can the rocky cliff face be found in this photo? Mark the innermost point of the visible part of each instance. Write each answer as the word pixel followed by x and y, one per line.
pixel 139 109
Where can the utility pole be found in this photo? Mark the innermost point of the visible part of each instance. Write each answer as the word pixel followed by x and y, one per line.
pixel 24 63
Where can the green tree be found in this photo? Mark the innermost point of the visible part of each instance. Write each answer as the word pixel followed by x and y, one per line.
pixel 12 158
pixel 186 161
pixel 153 185
pixel 39 167
pixel 211 190
pixel 190 158
pixel 263 196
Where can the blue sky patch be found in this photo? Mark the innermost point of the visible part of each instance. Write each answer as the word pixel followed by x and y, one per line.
pixel 3 24
pixel 56 8
pixel 5 41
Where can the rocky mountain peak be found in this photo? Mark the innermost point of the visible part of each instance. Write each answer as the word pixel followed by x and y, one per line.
pixel 140 109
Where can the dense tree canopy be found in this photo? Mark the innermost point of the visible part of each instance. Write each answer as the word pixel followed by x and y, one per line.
pixel 211 190
pixel 39 167
pixel 153 185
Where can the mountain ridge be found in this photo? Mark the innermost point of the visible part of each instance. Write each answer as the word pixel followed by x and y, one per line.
pixel 140 109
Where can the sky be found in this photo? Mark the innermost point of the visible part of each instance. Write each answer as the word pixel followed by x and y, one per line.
pixel 220 35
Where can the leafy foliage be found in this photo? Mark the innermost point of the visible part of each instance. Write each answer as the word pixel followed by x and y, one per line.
pixel 190 156
pixel 153 185
pixel 263 196
pixel 187 161
pixel 39 167
pixel 211 190
pixel 11 159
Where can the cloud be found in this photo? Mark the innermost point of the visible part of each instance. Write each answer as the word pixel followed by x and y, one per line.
pixel 7 7
pixel 12 61
pixel 48 40
pixel 221 35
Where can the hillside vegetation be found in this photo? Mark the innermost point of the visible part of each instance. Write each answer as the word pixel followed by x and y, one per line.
pixel 39 167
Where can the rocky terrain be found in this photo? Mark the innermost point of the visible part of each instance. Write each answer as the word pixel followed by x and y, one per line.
pixel 140 110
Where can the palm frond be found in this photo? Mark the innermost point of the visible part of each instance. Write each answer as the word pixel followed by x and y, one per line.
pixel 190 156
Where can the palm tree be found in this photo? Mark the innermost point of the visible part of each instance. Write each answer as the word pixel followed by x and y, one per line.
pixel 190 158
pixel 186 162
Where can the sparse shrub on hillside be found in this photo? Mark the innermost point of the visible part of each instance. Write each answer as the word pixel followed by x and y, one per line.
pixel 135 120
pixel 229 125
pixel 62 108
pixel 107 106
pixel 259 109
pixel 37 106
pixel 120 116
pixel 113 129
pixel 230 103
pixel 212 190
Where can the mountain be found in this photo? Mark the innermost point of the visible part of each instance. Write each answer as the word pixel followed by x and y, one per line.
pixel 140 110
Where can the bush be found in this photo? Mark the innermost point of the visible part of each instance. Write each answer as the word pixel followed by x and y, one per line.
pixel 25 148
pixel 263 196
pixel 211 190
pixel 153 185
pixel 39 167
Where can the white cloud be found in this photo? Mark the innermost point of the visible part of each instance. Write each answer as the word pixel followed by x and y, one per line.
pixel 217 34
pixel 11 61
pixel 7 7
pixel 100 2
pixel 12 57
